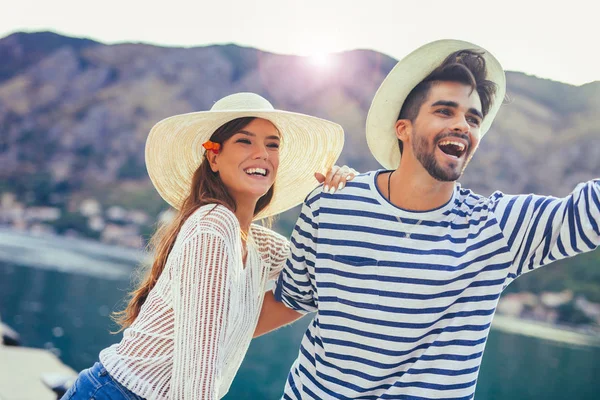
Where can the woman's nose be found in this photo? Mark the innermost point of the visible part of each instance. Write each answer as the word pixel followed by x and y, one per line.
pixel 261 152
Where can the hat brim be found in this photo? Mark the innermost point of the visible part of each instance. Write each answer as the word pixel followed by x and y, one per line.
pixel 408 73
pixel 309 144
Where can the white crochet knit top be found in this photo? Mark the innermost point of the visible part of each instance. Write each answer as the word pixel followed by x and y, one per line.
pixel 195 327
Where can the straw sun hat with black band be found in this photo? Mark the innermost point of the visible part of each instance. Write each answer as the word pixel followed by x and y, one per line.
pixel 402 79
pixel 309 144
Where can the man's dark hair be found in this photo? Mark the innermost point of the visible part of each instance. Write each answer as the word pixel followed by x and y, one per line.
pixel 463 66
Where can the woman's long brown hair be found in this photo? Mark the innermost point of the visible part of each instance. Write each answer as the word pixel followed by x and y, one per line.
pixel 206 188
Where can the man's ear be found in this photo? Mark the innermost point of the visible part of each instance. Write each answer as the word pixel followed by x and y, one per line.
pixel 403 129
pixel 212 160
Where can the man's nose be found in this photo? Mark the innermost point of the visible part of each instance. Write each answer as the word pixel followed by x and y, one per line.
pixel 461 125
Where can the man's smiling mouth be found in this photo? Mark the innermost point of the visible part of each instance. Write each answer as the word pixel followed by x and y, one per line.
pixel 452 147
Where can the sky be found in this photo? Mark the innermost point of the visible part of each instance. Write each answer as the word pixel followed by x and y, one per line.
pixel 531 36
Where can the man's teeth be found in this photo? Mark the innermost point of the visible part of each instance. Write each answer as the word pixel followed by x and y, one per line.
pixel 460 146
pixel 256 171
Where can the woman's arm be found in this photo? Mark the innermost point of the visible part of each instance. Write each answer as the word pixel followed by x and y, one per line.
pixel 273 315
pixel 201 304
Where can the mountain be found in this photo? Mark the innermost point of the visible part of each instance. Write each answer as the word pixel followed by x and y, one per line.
pixel 21 50
pixel 78 112
pixel 75 113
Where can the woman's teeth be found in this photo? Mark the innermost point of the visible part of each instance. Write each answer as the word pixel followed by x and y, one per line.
pixel 256 171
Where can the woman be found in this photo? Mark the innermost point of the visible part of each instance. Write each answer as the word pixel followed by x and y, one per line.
pixel 189 324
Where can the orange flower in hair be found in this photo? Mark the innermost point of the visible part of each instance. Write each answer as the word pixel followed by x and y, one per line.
pixel 214 147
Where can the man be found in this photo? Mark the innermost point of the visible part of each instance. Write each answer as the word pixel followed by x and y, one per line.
pixel 404 267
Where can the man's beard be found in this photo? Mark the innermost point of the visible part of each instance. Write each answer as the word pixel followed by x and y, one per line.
pixel 428 161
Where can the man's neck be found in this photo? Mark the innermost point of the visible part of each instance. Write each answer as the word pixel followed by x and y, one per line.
pixel 412 188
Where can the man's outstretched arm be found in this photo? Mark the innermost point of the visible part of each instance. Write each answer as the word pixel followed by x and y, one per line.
pixel 540 229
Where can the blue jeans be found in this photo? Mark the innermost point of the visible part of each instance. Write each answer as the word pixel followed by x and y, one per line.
pixel 96 384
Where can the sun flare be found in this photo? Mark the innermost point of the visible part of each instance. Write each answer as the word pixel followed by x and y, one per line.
pixel 320 60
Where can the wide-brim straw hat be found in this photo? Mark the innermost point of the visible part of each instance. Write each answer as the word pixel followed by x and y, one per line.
pixel 309 144
pixel 408 73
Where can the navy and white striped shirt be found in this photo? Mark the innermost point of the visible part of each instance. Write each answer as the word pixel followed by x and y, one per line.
pixel 404 300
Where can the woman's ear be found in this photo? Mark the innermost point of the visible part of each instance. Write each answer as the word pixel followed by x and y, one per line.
pixel 212 160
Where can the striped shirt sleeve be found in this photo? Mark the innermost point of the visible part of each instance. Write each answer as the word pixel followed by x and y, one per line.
pixel 540 229
pixel 201 302
pixel 295 286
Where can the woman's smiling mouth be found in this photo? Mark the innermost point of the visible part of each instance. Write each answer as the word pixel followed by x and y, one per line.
pixel 257 172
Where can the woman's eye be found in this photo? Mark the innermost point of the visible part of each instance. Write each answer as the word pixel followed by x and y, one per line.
pixel 245 141
pixel 273 145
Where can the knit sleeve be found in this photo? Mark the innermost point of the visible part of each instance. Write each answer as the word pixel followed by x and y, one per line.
pixel 274 247
pixel 201 303
pixel 279 254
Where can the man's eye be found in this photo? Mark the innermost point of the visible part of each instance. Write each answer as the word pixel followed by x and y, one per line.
pixel 474 121
pixel 444 111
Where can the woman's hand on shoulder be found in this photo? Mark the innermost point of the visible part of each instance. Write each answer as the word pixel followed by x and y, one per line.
pixel 336 178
